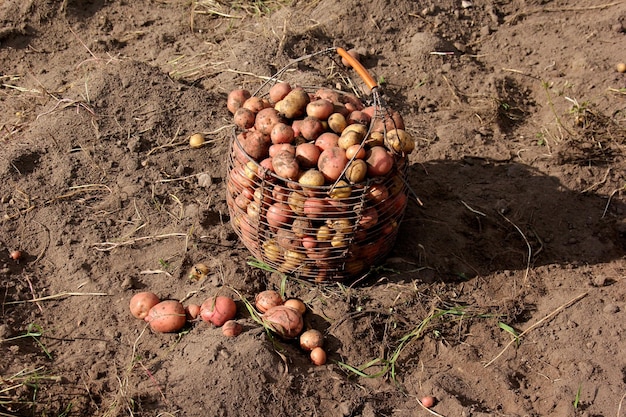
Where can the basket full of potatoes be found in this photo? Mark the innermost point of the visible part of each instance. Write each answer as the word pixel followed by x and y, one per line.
pixel 316 179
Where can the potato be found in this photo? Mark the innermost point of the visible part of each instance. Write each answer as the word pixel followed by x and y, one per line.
pixel 341 191
pixel 294 104
pixel 280 147
pixel 356 171
pixel 316 208
pixel 236 98
pixel 167 316
pixel 327 140
pixel 286 165
pixel 368 218
pixel 244 118
pixel 331 163
pixel 278 91
pixel 355 151
pixel 377 193
pixel 307 154
pixel 311 178
pixel 320 109
pixel 311 128
pixel 255 144
pixel 399 141
pixel 349 138
pixel 256 104
pixel 337 122
pixel 282 133
pixel 387 119
pixel 350 100
pixel 296 202
pixel 302 227
pixel 358 117
pixel 379 161
pixel 328 94
pixel 266 119
pixel 279 215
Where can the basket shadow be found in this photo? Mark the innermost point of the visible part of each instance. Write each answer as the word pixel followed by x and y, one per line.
pixel 481 216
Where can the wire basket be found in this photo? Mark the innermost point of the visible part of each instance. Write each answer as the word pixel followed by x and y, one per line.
pixel 331 232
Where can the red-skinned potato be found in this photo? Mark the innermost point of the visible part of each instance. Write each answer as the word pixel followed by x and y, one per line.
pixel 327 140
pixel 286 165
pixel 278 91
pixel 358 117
pixel 244 118
pixel 266 119
pixel 307 154
pixel 284 321
pixel 282 133
pixel 354 54
pixel 167 316
pixel 327 94
pixel 192 311
pixel 387 119
pixel 355 151
pixel 311 128
pixel 280 147
pixel 316 208
pixel 267 299
pixel 279 215
pixel 218 310
pixel 236 98
pixel 331 163
pixel 255 144
pixel 142 302
pixel 256 104
pixel 379 161
pixel 320 109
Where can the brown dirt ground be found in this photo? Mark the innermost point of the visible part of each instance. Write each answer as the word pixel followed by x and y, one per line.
pixel 521 134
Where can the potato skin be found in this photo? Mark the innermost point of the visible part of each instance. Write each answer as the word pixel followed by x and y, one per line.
pixel 266 119
pixel 286 165
pixel 236 98
pixel 294 104
pixel 331 163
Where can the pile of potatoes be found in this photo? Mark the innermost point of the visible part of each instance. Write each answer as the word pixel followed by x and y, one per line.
pixel 315 181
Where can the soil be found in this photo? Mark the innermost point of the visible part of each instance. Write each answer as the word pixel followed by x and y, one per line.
pixel 504 295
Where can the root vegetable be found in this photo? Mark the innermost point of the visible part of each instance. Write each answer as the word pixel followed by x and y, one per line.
pixel 279 91
pixel 267 299
pixel 167 316
pixel 296 304
pixel 318 356
pixel 337 122
pixel 16 255
pixel 236 98
pixel 255 144
pixel 256 104
pixel 192 311
pixel 244 118
pixel 266 119
pixel 327 140
pixel 196 140
pixel 331 163
pixel 282 133
pixel 286 165
pixel 284 321
pixel 311 178
pixel 379 161
pixel 399 141
pixel 307 154
pixel 428 401
pixel 294 104
pixel 218 310
pixel 320 109
pixel 232 328
pixel 311 339
pixel 279 215
pixel 357 171
pixel 311 128
pixel 142 302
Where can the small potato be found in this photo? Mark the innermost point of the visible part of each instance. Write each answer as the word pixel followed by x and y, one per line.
pixel 301 227
pixel 286 165
pixel 278 91
pixel 282 133
pixel 337 122
pixel 142 302
pixel 355 151
pixel 356 171
pixel 236 98
pixel 354 54
pixel 296 202
pixel 377 193
pixel 311 178
pixel 307 154
pixel 320 109
pixel 316 208
pixel 348 139
pixel 368 218
pixel 167 316
pixel 279 215
pixel 331 163
pixel 266 119
pixel 244 118
pixel 341 191
pixel 327 94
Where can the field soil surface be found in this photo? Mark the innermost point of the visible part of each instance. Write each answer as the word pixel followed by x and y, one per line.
pixel 505 292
